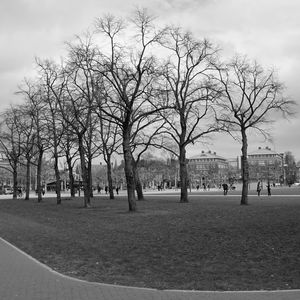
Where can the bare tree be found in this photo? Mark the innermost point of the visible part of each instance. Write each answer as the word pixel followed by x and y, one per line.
pixel 190 93
pixel 10 142
pixel 249 100
pixel 77 104
pixel 28 142
pixel 34 94
pixel 130 72
pixel 53 86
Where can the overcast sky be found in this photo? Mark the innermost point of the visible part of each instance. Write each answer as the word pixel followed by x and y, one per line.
pixel 265 30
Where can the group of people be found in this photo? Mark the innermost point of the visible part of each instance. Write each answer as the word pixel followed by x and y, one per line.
pixel 106 189
pixel 225 187
pixel 204 186
pixel 260 187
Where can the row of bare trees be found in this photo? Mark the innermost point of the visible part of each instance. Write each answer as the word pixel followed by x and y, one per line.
pixel 128 87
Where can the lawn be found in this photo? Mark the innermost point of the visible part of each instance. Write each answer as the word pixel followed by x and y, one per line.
pixel 210 243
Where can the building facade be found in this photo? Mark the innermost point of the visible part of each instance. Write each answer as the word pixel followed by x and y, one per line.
pixel 207 169
pixel 266 164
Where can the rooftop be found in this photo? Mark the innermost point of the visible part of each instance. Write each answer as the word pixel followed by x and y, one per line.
pixel 263 151
pixel 205 155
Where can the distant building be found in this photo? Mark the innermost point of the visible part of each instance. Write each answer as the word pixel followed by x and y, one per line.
pixel 207 168
pixel 266 164
pixel 234 169
pixel 234 163
pixel 263 156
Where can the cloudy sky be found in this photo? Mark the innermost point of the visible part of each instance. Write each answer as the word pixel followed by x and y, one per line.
pixel 265 30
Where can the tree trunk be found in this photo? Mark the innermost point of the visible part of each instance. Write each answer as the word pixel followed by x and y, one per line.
pixel 109 178
pixel 183 175
pixel 15 180
pixel 71 177
pixel 27 188
pixel 138 184
pixel 129 172
pixel 89 181
pixel 139 187
pixel 244 169
pixel 86 197
pixel 39 175
pixel 58 182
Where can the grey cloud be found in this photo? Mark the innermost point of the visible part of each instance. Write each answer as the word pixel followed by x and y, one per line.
pixel 266 30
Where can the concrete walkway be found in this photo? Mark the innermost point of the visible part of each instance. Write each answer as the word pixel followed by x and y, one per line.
pixel 22 277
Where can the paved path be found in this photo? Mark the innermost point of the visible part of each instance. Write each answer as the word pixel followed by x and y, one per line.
pixel 22 277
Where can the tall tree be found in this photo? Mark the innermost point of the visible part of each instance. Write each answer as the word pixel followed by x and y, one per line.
pixel 191 94
pixel 130 70
pixel 49 77
pixel 10 142
pixel 34 94
pixel 28 143
pixel 77 104
pixel 250 99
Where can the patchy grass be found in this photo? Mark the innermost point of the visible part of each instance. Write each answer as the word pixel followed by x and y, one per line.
pixel 211 243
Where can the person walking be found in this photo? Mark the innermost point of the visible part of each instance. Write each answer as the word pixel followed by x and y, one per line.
pixel 225 188
pixel 258 189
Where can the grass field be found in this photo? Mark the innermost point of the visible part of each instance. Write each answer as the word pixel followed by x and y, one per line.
pixel 210 243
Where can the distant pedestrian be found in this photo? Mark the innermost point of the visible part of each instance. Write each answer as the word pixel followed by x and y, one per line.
pixel 225 188
pixel 197 187
pixel 117 190
pixel 106 189
pixel 20 192
pixel 258 188
pixel 269 189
